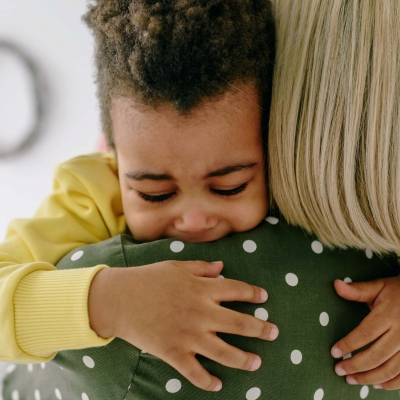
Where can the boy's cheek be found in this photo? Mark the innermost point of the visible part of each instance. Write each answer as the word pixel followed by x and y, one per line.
pixel 144 226
pixel 247 216
pixel 136 225
pixel 255 209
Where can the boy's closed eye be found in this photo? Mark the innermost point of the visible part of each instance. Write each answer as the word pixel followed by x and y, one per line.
pixel 219 192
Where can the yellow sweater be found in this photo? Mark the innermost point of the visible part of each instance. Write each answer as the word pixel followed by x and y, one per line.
pixel 43 310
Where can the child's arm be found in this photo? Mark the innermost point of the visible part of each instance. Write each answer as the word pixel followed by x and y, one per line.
pixel 43 310
pixel 380 363
pixel 85 207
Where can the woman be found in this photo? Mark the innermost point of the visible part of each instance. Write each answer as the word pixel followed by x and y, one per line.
pixel 334 148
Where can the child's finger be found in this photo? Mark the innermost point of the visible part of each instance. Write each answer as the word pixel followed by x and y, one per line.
pixel 223 353
pixel 371 327
pixel 188 366
pixel 236 323
pixel 365 292
pixel 385 372
pixel 392 384
pixel 380 352
pixel 224 290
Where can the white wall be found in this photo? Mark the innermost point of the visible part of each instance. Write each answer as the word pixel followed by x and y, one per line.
pixel 53 33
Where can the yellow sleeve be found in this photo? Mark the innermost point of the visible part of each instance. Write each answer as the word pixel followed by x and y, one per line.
pixel 43 310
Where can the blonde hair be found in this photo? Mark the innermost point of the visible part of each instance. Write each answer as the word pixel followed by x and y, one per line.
pixel 334 138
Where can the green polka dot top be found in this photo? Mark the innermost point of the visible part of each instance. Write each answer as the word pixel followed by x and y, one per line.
pixel 298 273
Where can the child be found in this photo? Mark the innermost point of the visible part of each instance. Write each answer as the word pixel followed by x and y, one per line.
pixel 181 89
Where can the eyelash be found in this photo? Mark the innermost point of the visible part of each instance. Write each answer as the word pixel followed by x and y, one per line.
pixel 155 199
pixel 164 197
pixel 230 192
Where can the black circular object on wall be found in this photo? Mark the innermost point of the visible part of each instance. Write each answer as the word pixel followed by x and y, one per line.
pixel 37 86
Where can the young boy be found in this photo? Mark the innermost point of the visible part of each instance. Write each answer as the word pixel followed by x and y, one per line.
pixel 182 87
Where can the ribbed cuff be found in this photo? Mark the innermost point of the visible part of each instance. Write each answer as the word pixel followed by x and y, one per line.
pixel 51 311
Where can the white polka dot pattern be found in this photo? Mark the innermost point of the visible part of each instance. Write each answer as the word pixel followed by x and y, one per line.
pixel 324 319
pixel 296 357
pixel 319 394
pixel 347 356
pixel 364 392
pixel 291 279
pixel 177 246
pixel 317 247
pixel 173 385
pixel 88 361
pixel 77 255
pixel 261 313
pixel 58 394
pixel 249 246
pixel 272 220
pixel 253 393
pixel 11 368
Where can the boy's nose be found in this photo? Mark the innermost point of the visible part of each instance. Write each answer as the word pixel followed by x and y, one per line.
pixel 195 220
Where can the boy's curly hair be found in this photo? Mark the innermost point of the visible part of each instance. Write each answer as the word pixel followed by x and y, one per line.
pixel 179 51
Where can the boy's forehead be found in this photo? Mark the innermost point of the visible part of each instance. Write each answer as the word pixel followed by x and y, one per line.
pixel 128 112
pixel 221 132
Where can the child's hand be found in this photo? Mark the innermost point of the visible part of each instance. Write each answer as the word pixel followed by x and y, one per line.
pixel 380 363
pixel 172 310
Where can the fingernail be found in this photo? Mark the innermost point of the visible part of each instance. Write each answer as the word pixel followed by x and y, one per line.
pixel 336 352
pixel 264 295
pixel 256 364
pixel 377 386
pixel 340 371
pixel 274 333
pixel 351 381
pixel 218 387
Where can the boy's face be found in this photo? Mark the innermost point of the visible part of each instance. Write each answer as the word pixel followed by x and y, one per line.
pixel 195 178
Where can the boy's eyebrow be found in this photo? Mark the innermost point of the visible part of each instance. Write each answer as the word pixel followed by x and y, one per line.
pixel 231 168
pixel 140 176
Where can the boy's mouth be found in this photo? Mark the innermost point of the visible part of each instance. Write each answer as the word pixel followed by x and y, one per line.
pixel 200 237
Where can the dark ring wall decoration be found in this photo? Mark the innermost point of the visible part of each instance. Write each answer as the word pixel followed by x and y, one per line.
pixel 38 88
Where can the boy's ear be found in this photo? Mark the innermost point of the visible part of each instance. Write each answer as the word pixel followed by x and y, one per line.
pixel 102 144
